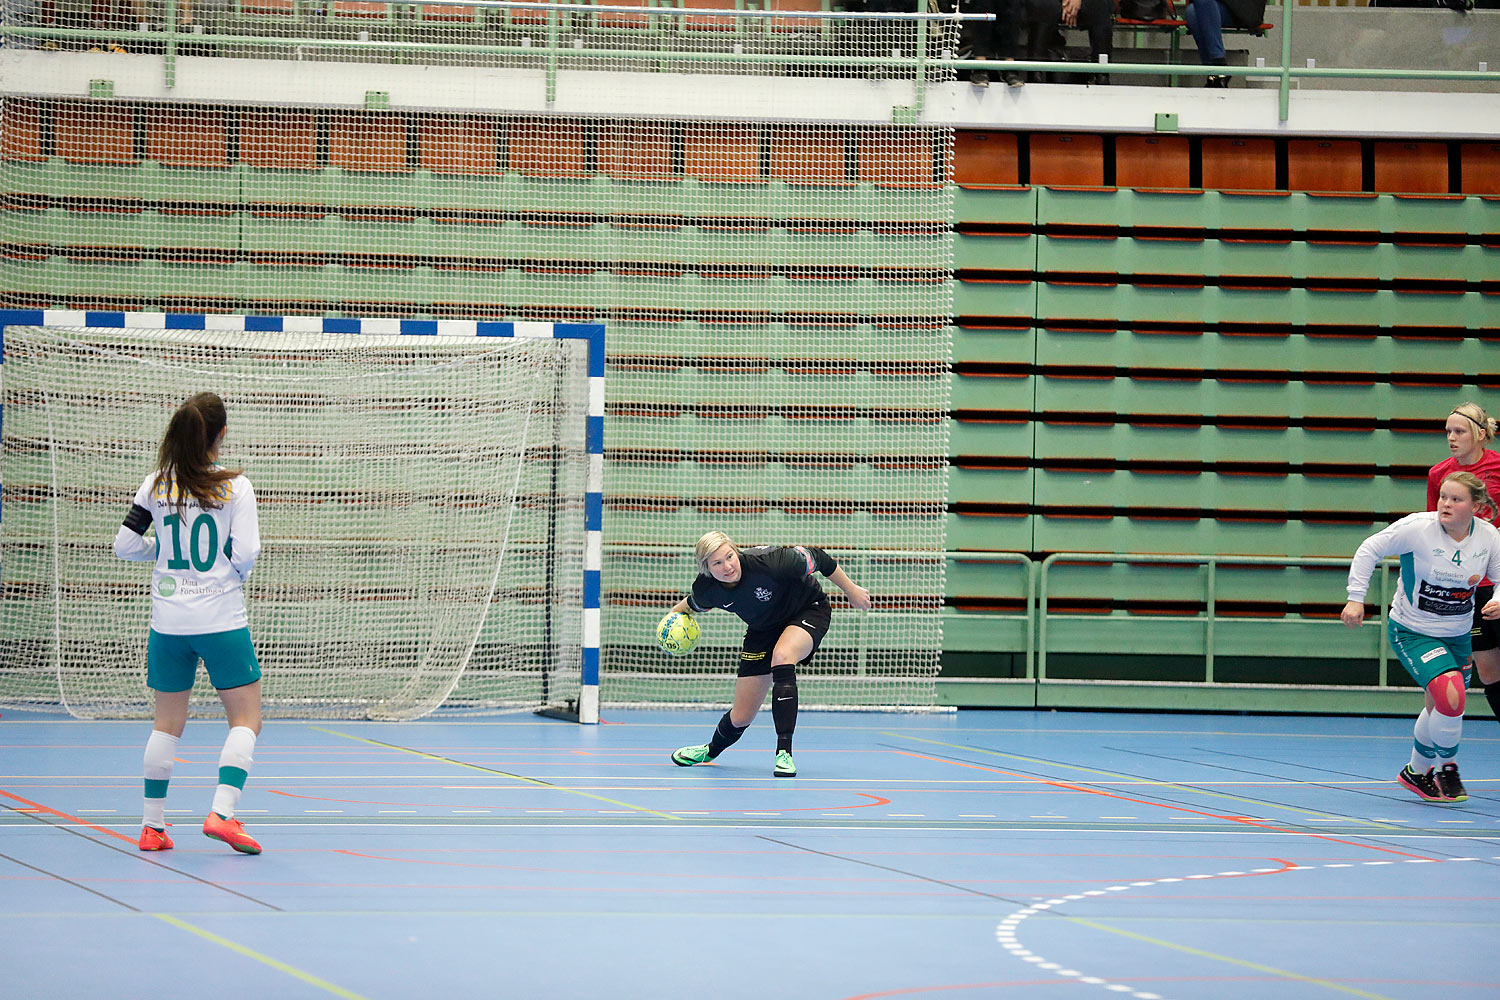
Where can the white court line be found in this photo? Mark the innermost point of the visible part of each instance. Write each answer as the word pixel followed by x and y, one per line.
pixel 1005 931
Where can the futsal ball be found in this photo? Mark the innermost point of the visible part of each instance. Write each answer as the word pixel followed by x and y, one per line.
pixel 677 633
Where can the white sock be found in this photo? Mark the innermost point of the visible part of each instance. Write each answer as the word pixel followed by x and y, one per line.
pixel 235 761
pixel 161 748
pixel 1423 756
pixel 1446 731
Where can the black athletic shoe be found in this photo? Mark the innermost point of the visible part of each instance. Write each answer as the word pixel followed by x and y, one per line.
pixel 1423 786
pixel 1449 785
pixel 1218 82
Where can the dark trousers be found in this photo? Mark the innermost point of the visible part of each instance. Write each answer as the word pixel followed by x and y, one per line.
pixel 1045 34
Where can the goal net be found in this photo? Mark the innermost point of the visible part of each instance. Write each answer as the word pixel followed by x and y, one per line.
pixel 421 502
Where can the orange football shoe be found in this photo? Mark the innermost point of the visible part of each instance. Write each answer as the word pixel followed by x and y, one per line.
pixel 231 832
pixel 153 839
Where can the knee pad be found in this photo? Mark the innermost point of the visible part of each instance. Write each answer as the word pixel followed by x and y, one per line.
pixel 1447 692
pixel 784 675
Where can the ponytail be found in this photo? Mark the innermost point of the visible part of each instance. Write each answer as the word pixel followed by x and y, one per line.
pixel 182 460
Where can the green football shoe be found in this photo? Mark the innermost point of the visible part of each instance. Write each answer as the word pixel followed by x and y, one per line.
pixel 785 766
pixel 688 756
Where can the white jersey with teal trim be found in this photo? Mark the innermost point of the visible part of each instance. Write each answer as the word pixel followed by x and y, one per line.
pixel 1438 575
pixel 203 557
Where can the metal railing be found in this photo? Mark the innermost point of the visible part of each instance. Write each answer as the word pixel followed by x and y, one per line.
pixel 1209 617
pixel 916 64
pixel 1038 621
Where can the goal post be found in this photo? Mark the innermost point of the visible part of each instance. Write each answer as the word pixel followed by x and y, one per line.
pixel 430 496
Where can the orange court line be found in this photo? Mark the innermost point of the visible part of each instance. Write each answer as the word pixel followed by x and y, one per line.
pixel 38 807
pixel 1246 820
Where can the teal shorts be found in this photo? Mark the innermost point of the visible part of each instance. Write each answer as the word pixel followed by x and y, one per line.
pixel 172 660
pixel 1428 657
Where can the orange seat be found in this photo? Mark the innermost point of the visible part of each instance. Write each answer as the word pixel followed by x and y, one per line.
pixel 1151 161
pixel 1239 164
pixel 455 145
pixel 360 10
pixel 982 157
pixel 371 143
pixel 1059 160
pixel 269 8
pixel 279 140
pixel 450 13
pixel 187 139
pixel 807 155
pixel 722 153
pixel 1479 166
pixel 95 133
pixel 618 20
pixel 698 22
pixel 1411 167
pixel 797 23
pixel 899 160
pixel 21 130
pixel 548 148
pixel 637 151
pixel 1332 165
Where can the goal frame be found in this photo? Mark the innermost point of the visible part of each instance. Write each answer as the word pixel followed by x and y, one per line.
pixel 592 334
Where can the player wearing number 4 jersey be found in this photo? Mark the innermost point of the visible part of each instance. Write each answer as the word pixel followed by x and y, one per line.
pixel 1444 555
pixel 207 538
pixel 786 615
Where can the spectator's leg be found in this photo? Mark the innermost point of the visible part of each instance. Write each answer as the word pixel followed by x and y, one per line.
pixel 983 36
pixel 1205 21
pixel 1008 17
pixel 1097 18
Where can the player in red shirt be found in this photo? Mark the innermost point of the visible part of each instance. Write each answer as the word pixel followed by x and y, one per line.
pixel 1470 429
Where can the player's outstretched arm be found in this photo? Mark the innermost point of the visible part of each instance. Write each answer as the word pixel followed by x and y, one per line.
pixel 681 607
pixel 859 597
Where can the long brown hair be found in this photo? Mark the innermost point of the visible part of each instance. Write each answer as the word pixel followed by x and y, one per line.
pixel 183 456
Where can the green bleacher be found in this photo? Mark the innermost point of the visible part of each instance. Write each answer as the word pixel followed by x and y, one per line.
pixel 1141 369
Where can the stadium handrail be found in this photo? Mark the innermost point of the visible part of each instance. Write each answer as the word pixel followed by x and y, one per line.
pixel 919 62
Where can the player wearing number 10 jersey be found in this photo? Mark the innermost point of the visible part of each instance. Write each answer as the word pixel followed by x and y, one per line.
pixel 207 539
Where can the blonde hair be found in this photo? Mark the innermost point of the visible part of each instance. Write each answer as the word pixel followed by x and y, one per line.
pixel 710 543
pixel 1477 490
pixel 1474 414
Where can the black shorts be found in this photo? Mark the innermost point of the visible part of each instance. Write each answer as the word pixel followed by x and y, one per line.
pixel 755 654
pixel 1485 634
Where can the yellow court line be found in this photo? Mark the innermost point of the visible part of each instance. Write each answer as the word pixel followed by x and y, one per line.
pixel 1161 784
pixel 507 774
pixel 1242 963
pixel 276 964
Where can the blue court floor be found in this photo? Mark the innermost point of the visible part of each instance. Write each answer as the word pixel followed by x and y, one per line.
pixel 981 854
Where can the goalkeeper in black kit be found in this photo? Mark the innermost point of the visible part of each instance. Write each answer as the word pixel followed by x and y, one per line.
pixel 786 615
